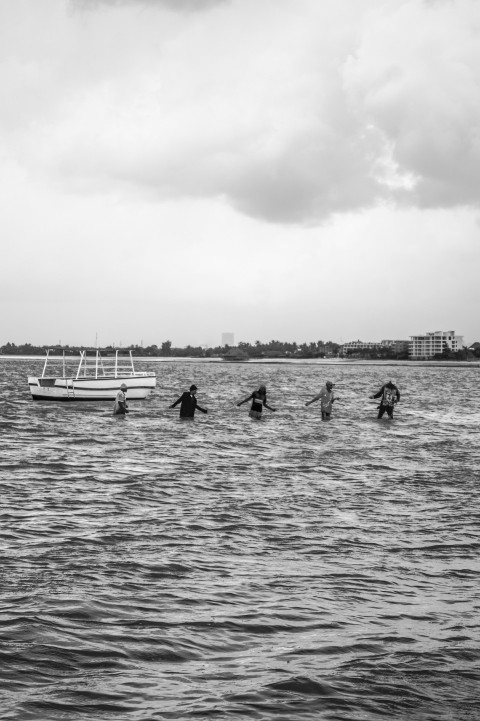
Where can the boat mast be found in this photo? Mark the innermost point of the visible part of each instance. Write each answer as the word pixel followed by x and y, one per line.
pixel 45 364
pixel 80 363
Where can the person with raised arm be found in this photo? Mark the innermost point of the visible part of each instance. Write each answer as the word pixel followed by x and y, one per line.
pixel 390 395
pixel 188 403
pixel 326 398
pixel 259 400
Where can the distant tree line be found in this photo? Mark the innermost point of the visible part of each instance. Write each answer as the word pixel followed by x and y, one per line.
pixel 25 349
pixel 272 349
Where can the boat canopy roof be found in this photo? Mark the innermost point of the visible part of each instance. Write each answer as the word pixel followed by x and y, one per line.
pixel 60 352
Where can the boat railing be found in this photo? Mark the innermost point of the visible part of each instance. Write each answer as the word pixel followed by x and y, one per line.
pixel 60 359
pixel 109 365
pixel 92 364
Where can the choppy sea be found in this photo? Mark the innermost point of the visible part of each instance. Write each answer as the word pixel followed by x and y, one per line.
pixel 237 569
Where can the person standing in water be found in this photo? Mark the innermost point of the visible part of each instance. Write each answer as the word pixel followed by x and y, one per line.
pixel 326 399
pixel 121 406
pixel 259 399
pixel 189 403
pixel 390 395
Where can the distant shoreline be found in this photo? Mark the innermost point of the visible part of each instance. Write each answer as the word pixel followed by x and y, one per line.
pixel 284 361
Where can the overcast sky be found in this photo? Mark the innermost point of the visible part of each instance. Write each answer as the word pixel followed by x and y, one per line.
pixel 281 169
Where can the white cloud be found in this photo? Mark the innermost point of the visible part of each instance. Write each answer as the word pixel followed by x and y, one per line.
pixel 174 5
pixel 415 78
pixel 291 111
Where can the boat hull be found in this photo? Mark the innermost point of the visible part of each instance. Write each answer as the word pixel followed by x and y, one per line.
pixel 90 389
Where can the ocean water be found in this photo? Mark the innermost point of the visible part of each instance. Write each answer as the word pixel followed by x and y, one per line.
pixel 238 569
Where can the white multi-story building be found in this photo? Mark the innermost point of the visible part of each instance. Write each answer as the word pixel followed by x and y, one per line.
pixel 430 344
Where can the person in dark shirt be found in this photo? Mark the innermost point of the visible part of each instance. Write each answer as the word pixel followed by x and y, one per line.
pixel 390 395
pixel 189 403
pixel 259 399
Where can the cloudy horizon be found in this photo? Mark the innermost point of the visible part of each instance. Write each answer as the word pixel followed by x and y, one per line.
pixel 282 169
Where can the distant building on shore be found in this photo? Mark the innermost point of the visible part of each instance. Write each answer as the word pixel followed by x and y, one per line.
pixel 424 347
pixel 228 339
pixel 358 346
pixel 398 346
pixel 354 346
pixel 328 349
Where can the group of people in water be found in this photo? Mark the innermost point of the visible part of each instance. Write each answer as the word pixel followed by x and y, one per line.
pixel 388 394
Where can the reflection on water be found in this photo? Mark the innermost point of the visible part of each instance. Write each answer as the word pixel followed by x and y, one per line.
pixel 230 568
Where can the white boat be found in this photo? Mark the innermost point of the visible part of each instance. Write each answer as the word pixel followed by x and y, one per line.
pixel 97 377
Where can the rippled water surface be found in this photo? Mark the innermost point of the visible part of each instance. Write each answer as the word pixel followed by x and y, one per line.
pixel 238 569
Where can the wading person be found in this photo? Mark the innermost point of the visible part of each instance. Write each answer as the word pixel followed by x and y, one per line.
pixel 188 403
pixel 326 399
pixel 389 395
pixel 259 399
pixel 121 407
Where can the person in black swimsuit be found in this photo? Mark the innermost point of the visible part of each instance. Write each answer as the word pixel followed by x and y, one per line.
pixel 259 399
pixel 189 403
